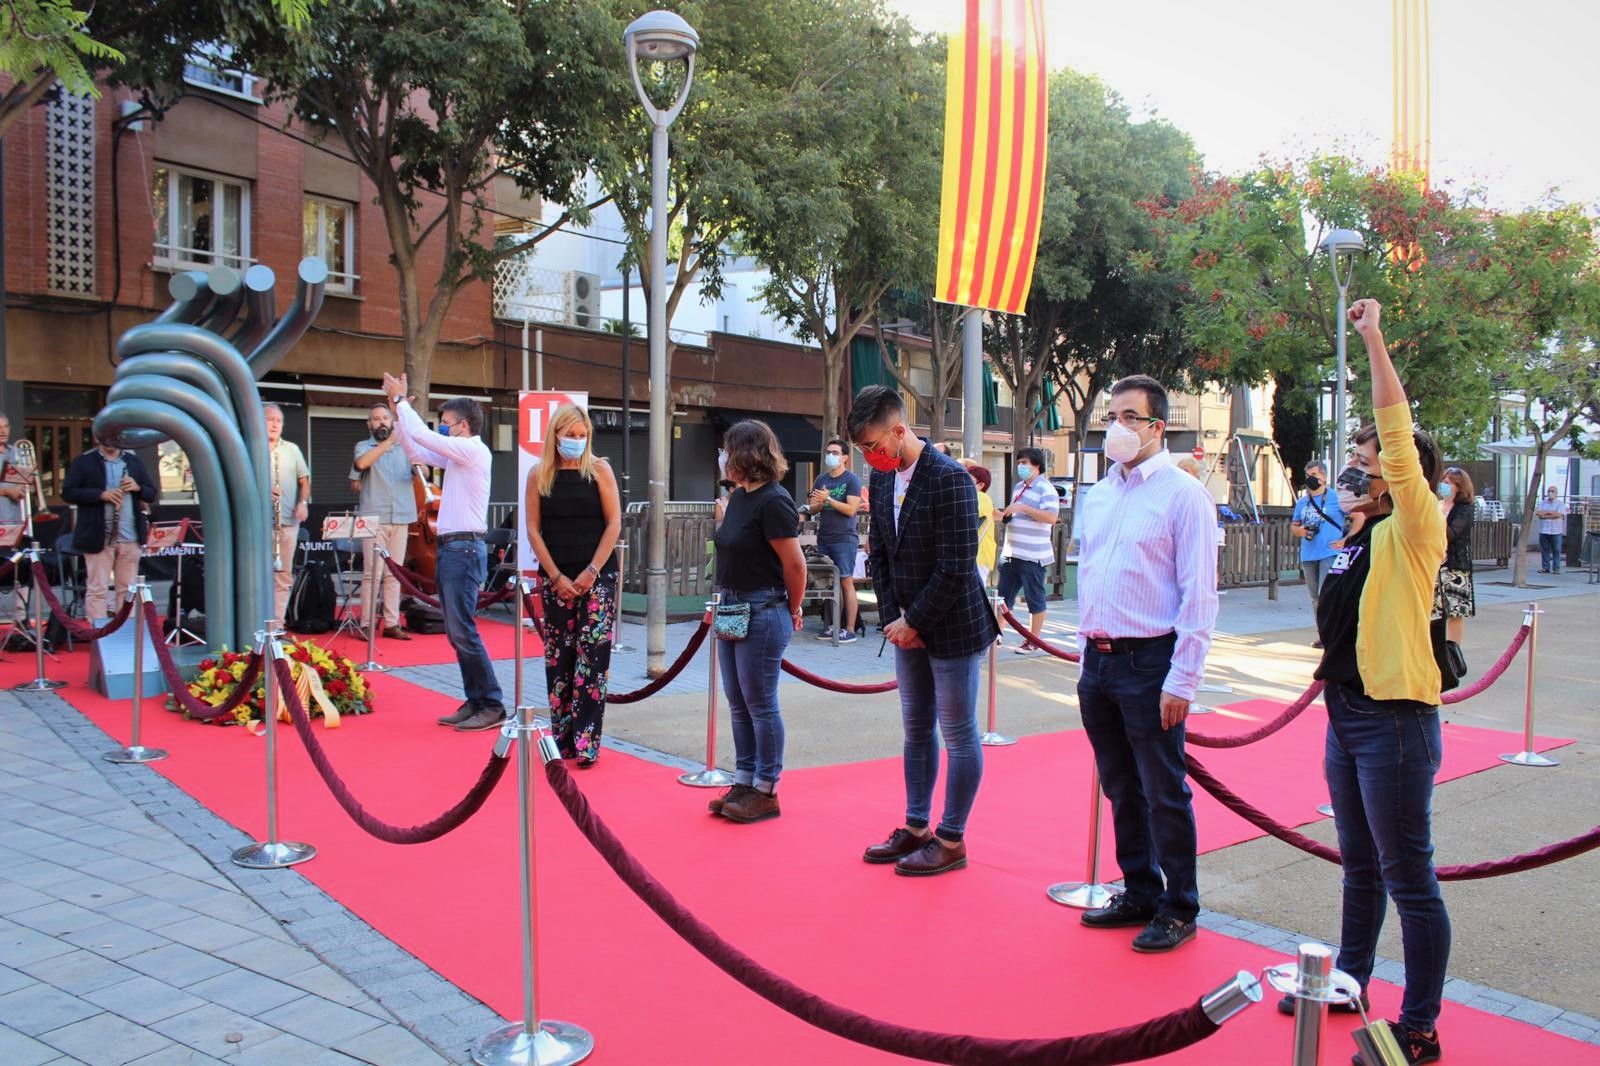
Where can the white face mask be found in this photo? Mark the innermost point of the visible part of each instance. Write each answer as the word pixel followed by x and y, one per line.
pixel 1122 444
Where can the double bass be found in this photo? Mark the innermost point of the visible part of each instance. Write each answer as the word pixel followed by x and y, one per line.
pixel 422 542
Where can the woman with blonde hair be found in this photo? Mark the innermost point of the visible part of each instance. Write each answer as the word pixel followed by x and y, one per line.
pixel 574 516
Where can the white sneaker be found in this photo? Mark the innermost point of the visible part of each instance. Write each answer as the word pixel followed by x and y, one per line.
pixel 1024 649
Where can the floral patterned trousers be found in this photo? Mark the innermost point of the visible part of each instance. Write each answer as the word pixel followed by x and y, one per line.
pixel 577 655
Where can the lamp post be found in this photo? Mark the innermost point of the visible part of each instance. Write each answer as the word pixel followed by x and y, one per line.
pixel 1347 243
pixel 663 37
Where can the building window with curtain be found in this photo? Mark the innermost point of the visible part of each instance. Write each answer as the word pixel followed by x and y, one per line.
pixel 201 220
pixel 329 228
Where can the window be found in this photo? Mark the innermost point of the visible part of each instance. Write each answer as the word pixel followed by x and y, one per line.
pixel 177 479
pixel 328 226
pixel 210 67
pixel 200 220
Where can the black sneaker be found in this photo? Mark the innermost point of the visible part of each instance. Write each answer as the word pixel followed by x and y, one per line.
pixel 1163 934
pixel 1119 913
pixel 1286 1006
pixel 489 716
pixel 1415 1047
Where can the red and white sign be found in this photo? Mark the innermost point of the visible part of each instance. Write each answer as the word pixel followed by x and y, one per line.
pixel 1199 454
pixel 534 410
pixel 11 535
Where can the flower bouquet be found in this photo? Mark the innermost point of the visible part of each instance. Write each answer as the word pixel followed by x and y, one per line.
pixel 329 685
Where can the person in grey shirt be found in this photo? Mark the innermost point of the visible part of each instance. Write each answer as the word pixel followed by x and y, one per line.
pixel 382 475
pixel 11 497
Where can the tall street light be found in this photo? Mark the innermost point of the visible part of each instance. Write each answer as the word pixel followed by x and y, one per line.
pixel 659 37
pixel 1345 243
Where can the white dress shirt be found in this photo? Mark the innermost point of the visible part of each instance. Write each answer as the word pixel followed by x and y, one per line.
pixel 464 507
pixel 1147 564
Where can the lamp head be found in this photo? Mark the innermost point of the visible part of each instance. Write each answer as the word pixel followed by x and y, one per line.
pixel 1343 242
pixel 660 36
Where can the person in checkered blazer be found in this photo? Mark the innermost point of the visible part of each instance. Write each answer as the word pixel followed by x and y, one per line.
pixel 923 543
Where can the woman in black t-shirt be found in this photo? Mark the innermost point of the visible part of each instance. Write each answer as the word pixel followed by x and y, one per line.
pixel 574 517
pixel 759 563
pixel 1455 577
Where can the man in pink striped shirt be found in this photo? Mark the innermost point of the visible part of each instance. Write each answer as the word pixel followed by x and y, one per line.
pixel 1147 579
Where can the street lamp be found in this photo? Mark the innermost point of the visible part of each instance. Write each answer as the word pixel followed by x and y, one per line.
pixel 658 37
pixel 1347 243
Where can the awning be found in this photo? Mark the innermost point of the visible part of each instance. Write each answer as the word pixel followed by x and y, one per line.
pixel 1525 446
pixel 796 435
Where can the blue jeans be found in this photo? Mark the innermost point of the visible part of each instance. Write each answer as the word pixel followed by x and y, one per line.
pixel 1380 761
pixel 940 693
pixel 462 567
pixel 1550 551
pixel 749 670
pixel 1142 774
pixel 1027 577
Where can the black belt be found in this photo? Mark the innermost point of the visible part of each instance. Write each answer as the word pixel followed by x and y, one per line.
pixel 448 538
pixel 1125 645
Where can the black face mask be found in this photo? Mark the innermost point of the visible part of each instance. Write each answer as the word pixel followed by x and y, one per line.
pixel 381 433
pixel 1313 482
pixel 1359 482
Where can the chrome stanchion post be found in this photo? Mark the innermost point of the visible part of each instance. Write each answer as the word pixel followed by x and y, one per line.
pixel 369 610
pixel 135 752
pixel 622 578
pixel 520 584
pixel 1527 756
pixel 991 738
pixel 1089 893
pixel 531 1042
pixel 40 683
pixel 710 777
pixel 1315 985
pixel 271 854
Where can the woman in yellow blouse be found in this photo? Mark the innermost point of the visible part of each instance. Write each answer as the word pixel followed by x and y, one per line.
pixel 986 545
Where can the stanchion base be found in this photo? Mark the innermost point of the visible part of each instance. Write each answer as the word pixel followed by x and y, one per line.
pixel 996 740
pixel 1325 809
pixel 707 779
pixel 1529 758
pixel 39 684
pixel 137 753
pixel 273 856
pixel 554 1044
pixel 372 668
pixel 1200 708
pixel 1080 895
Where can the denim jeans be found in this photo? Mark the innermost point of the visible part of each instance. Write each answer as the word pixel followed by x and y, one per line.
pixel 749 670
pixel 1380 761
pixel 940 693
pixel 1142 774
pixel 1315 570
pixel 1550 551
pixel 462 567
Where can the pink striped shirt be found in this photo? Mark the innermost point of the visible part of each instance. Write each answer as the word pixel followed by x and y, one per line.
pixel 1147 564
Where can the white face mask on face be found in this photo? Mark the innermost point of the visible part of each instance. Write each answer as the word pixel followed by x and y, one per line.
pixel 1122 444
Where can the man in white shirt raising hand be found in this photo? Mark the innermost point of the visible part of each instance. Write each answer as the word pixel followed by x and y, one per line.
pixel 463 562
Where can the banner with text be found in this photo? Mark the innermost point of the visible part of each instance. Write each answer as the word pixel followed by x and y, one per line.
pixel 533 423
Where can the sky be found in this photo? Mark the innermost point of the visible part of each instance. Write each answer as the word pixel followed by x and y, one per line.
pixel 1515 86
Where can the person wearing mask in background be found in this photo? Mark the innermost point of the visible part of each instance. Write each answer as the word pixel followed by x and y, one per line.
pixel 1035 506
pixel 381 475
pixel 1317 523
pixel 291 502
pixel 924 537
pixel 836 496
pixel 574 517
pixel 1455 578
pixel 113 492
pixel 1383 744
pixel 1147 583
pixel 986 546
pixel 1552 514
pixel 759 563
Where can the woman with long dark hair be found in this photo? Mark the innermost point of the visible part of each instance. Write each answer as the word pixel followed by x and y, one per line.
pixel 1455 577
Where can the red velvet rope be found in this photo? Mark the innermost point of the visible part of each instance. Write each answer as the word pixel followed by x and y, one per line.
pixel 390 834
pixel 5 569
pixel 1528 860
pixel 1037 642
pixel 408 581
pixel 78 630
pixel 1261 732
pixel 1492 674
pixel 837 686
pixel 684 658
pixel 197 708
pixel 1157 1036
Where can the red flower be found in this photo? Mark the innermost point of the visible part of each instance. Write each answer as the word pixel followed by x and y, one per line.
pixel 337 688
pixel 207 664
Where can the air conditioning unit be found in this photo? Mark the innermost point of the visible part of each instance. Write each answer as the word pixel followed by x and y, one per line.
pixel 581 299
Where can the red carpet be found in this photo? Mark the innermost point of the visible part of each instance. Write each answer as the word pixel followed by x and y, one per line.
pixel 432 649
pixel 980 951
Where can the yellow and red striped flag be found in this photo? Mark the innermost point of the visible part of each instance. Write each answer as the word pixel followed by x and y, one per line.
pixel 995 131
pixel 1413 90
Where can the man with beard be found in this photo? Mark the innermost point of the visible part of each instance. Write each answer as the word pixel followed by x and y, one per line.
pixel 382 475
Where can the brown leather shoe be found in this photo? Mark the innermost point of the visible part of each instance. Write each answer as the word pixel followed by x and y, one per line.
pixel 934 857
pixel 716 805
pixel 753 805
pixel 489 716
pixel 396 633
pixel 901 842
pixel 460 714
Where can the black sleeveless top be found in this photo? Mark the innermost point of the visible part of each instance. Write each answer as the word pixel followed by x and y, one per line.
pixel 571 521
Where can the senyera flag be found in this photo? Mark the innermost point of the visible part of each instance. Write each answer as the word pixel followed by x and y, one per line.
pixel 995 130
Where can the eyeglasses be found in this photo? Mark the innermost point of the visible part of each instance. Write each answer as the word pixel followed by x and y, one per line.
pixel 875 446
pixel 1130 419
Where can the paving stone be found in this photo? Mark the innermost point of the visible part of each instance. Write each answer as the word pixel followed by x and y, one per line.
pixel 19 946
pixel 40 1008
pixel 1540 1014
pixel 1575 1031
pixel 58 918
pixel 19 1049
pixel 79 971
pixel 204 933
pixel 178 965
pixel 39 874
pixel 324 982
pixel 390 1045
pixel 176 1055
pixel 15 897
pixel 92 892
pixel 206 1029
pixel 11 980
pixel 290 1050
pixel 143 999
pixel 270 957
pixel 243 988
pixel 320 1021
pixel 106 1040
pixel 116 940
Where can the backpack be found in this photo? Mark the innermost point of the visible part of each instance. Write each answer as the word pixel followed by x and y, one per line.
pixel 421 617
pixel 314 600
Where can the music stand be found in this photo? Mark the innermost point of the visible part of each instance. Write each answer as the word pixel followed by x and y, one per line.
pixel 351 527
pixel 173 537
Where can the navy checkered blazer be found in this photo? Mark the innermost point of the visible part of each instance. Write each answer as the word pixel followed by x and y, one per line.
pixel 927 569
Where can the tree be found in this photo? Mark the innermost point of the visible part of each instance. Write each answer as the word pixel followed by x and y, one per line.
pixel 942 323
pixel 431 100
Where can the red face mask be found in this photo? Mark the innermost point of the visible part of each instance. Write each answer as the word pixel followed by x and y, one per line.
pixel 880 460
